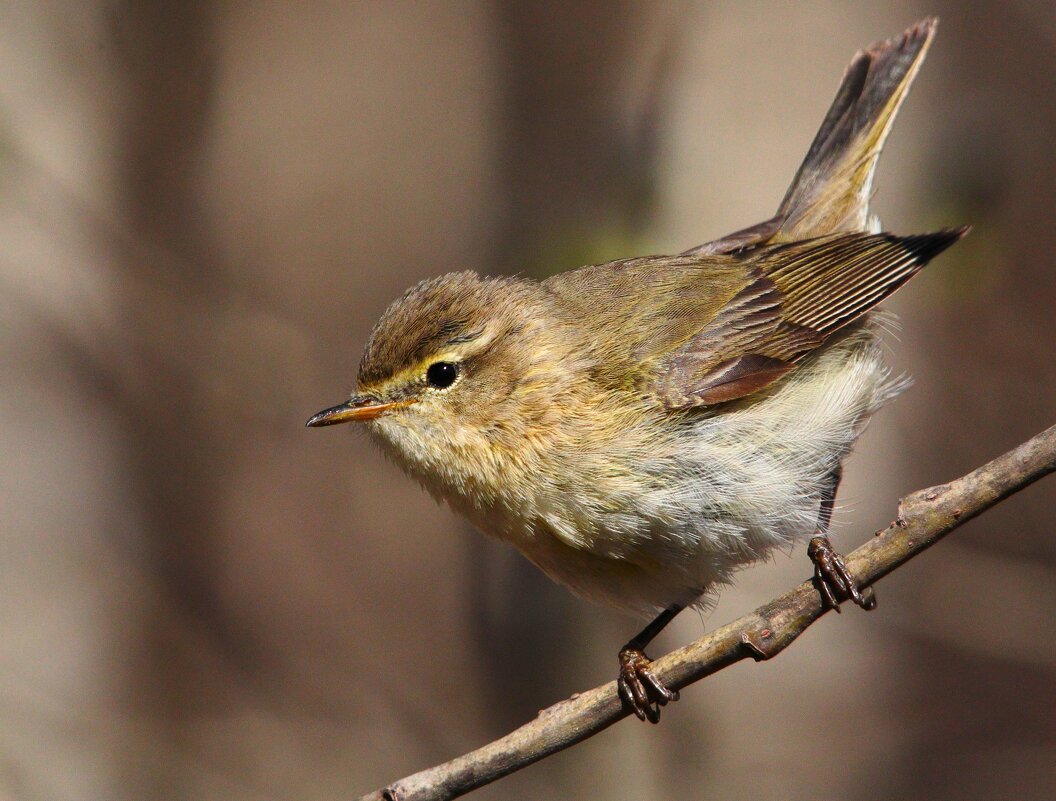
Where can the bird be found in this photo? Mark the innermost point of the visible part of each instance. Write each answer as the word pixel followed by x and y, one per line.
pixel 643 429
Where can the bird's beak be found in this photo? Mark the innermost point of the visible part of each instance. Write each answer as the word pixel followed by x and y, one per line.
pixel 359 408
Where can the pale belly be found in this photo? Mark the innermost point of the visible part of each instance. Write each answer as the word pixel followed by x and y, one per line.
pixel 739 486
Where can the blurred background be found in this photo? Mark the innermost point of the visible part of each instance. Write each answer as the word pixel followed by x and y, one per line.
pixel 203 209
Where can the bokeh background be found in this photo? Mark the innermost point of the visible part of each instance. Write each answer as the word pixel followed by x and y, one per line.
pixel 203 209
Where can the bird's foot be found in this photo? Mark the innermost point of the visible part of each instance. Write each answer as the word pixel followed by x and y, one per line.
pixel 833 579
pixel 639 685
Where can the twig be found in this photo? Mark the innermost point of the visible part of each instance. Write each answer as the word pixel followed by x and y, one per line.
pixel 923 519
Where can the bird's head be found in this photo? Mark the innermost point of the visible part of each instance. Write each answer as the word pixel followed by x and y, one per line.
pixel 457 375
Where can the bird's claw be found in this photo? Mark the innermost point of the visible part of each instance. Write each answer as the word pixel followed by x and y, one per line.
pixel 833 579
pixel 639 686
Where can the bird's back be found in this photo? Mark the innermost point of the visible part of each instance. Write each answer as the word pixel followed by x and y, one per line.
pixel 699 330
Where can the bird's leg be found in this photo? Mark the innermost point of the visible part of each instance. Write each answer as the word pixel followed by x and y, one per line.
pixel 637 683
pixel 831 575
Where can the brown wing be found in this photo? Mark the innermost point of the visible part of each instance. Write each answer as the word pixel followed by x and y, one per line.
pixel 799 294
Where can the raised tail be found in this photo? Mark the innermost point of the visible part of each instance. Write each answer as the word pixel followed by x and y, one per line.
pixel 831 190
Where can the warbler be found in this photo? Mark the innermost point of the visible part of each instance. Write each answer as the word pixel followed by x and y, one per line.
pixel 642 429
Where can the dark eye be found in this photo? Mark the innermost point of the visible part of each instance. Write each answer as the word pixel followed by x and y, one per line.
pixel 441 375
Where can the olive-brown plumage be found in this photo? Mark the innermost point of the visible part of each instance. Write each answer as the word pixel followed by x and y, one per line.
pixel 642 429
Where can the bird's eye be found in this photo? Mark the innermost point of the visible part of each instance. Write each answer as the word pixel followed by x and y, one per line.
pixel 441 375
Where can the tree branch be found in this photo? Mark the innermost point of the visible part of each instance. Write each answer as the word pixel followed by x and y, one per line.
pixel 924 517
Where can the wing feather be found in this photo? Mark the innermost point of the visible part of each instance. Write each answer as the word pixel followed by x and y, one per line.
pixel 799 295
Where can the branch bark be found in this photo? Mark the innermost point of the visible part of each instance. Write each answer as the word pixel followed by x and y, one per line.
pixel 924 517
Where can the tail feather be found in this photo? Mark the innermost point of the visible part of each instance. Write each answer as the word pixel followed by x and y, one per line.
pixel 832 188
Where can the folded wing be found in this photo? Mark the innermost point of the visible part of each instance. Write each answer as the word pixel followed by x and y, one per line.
pixel 795 297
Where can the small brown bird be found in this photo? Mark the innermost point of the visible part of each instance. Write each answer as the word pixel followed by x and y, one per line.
pixel 642 429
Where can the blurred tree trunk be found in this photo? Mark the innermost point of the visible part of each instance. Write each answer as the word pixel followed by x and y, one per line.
pixel 177 440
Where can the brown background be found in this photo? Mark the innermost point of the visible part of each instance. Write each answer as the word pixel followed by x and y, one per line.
pixel 203 209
